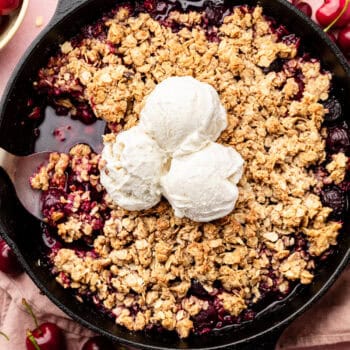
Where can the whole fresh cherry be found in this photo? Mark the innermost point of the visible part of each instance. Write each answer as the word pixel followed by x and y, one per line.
pixel 46 336
pixel 8 6
pixel 332 36
pixel 344 40
pixel 98 343
pixel 330 10
pixel 304 7
pixel 8 261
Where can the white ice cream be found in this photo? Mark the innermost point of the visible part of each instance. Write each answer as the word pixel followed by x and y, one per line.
pixel 183 114
pixel 172 152
pixel 202 185
pixel 133 166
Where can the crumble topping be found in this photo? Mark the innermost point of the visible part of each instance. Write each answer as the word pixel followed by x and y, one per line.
pixel 144 263
pixel 337 168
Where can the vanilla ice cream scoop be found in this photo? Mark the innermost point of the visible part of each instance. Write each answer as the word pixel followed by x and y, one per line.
pixel 202 185
pixel 133 164
pixel 183 114
pixel 172 152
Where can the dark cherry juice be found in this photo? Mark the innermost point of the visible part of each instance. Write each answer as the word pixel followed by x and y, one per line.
pixel 61 133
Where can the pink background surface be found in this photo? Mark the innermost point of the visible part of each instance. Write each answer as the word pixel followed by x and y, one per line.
pixel 324 327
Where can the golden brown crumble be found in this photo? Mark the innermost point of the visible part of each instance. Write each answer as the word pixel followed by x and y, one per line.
pixel 150 258
pixel 337 168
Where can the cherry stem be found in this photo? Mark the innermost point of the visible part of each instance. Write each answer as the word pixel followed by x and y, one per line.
pixel 5 336
pixel 32 340
pixel 30 310
pixel 345 7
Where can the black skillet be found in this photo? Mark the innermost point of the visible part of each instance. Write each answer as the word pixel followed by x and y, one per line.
pixel 22 231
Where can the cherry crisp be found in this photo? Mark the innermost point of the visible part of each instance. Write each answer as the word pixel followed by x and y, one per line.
pixel 151 269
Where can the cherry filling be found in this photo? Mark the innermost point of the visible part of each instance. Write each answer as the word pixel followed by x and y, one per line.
pixel 51 202
pixel 334 197
pixel 198 290
pixel 214 316
pixel 299 78
pixel 335 111
pixel 338 139
pixel 215 14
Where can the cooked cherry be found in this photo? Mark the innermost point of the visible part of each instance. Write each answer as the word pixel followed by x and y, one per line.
pixel 8 261
pixel 299 78
pixel 248 315
pixel 51 201
pixel 291 39
pixel 335 111
pixel 85 114
pixel 61 111
pixel 300 243
pixel 149 5
pixel 198 290
pixel 97 30
pixel 214 14
pixel 35 114
pixel 333 197
pixel 52 197
pixel 345 186
pixel 98 343
pixel 281 31
pixel 338 140
pixel 206 318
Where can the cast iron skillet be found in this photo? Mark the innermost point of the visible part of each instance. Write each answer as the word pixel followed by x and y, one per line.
pixel 22 231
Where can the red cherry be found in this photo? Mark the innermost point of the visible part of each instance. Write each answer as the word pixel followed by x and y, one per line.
pixel 332 36
pixel 304 7
pixel 46 336
pixel 8 6
pixel 344 40
pixel 8 261
pixel 98 343
pixel 149 5
pixel 329 11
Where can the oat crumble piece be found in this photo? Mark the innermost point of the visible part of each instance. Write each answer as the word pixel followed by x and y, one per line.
pixel 337 168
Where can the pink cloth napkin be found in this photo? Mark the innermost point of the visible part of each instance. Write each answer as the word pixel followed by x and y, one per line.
pixel 324 327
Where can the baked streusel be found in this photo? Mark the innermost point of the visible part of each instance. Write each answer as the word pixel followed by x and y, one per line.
pixel 151 268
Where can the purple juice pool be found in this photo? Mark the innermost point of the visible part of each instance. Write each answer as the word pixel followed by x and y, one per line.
pixel 61 133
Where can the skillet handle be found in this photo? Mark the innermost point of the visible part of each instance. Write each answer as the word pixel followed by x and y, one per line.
pixel 65 6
